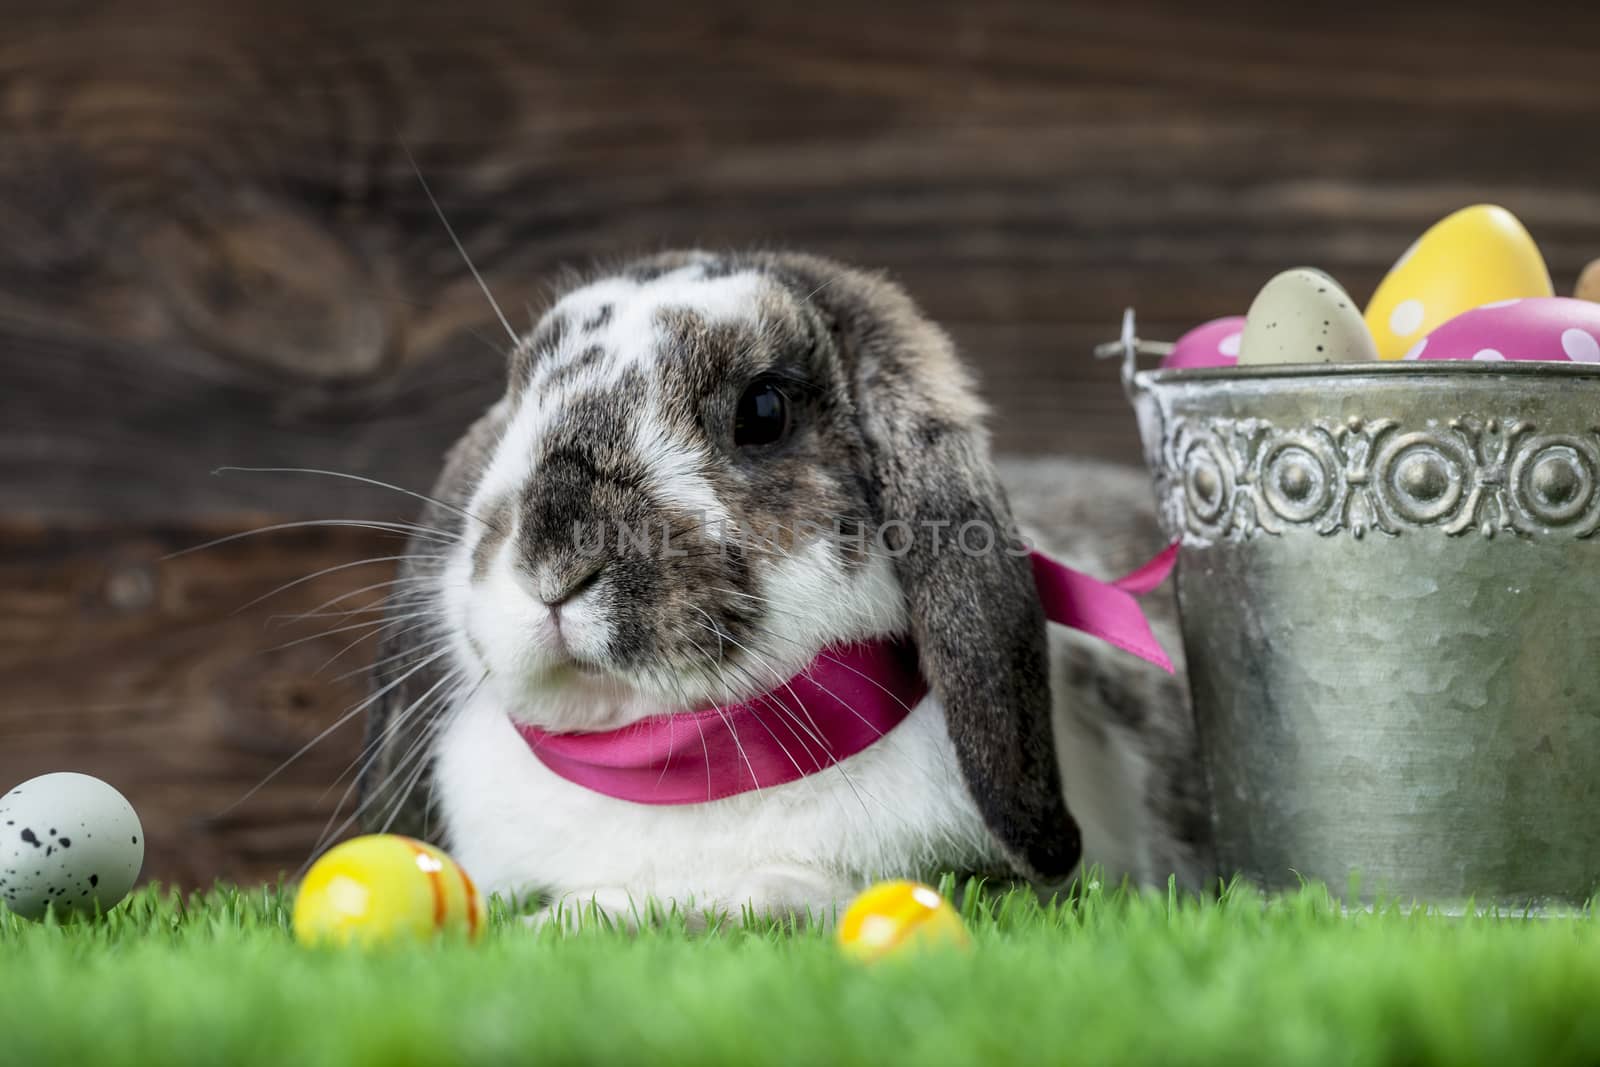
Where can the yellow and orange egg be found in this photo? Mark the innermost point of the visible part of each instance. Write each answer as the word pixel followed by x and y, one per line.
pixel 384 888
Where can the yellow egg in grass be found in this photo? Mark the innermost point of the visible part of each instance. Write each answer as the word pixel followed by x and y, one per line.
pixel 384 888
pixel 1479 255
pixel 896 917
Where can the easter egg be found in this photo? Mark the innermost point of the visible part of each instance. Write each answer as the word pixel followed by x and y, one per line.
pixel 1211 344
pixel 894 917
pixel 1554 328
pixel 385 888
pixel 1479 255
pixel 1588 287
pixel 1303 316
pixel 69 843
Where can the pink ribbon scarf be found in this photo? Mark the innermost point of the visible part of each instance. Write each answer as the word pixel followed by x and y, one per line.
pixel 845 699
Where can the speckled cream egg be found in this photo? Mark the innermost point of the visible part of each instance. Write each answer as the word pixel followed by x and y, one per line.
pixel 1211 344
pixel 1303 316
pixel 1479 255
pixel 68 842
pixel 1588 287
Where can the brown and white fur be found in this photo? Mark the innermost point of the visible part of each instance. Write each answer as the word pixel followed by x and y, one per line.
pixel 620 408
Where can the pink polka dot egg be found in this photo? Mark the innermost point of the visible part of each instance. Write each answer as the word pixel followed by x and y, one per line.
pixel 1538 328
pixel 1211 344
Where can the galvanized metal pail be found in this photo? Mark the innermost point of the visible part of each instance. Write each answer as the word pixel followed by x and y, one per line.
pixel 1390 594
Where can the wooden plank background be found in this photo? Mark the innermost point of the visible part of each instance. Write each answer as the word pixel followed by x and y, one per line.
pixel 213 251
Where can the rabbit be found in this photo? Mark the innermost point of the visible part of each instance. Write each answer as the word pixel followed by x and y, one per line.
pixel 767 388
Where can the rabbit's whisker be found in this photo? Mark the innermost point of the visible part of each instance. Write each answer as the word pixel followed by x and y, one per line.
pixel 374 746
pixel 369 750
pixel 501 315
pixel 419 753
pixel 837 662
pixel 366 481
pixel 388 603
pixel 433 642
pixel 733 730
pixel 320 611
pixel 430 619
pixel 396 528
pixel 790 722
pixel 324 735
pixel 314 575
pixel 429 643
pixel 815 733
pixel 346 629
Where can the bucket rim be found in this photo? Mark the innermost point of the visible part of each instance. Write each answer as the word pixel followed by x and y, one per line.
pixel 1129 347
pixel 1431 369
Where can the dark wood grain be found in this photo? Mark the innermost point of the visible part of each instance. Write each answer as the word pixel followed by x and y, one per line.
pixel 146 673
pixel 214 251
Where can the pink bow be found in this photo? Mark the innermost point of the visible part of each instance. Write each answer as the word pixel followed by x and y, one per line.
pixel 847 698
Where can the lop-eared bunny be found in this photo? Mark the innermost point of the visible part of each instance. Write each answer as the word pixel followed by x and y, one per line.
pixel 696 398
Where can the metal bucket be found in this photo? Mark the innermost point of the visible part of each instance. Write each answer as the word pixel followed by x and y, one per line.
pixel 1390 594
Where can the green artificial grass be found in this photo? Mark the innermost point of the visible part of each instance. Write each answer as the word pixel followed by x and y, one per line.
pixel 1107 977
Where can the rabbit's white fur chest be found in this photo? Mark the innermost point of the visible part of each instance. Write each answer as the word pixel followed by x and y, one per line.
pixel 894 809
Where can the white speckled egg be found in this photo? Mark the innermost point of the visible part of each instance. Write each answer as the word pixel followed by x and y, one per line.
pixel 69 841
pixel 1303 316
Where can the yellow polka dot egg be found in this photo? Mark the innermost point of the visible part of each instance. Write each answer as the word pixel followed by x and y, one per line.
pixel 1479 255
pixel 893 918
pixel 385 888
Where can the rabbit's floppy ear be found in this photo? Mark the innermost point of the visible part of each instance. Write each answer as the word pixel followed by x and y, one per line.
pixel 975 613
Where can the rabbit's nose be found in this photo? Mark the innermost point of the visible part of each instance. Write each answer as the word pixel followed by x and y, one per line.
pixel 555 586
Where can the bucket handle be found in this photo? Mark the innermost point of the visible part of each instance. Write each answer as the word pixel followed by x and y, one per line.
pixel 1129 347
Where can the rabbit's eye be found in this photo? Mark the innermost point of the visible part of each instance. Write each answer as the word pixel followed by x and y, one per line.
pixel 762 417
